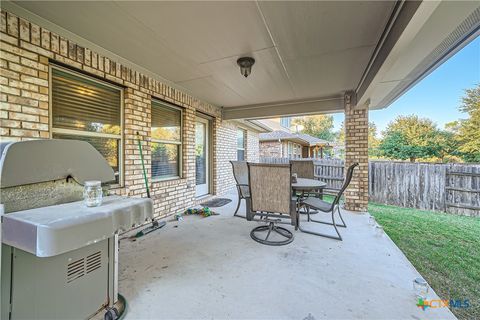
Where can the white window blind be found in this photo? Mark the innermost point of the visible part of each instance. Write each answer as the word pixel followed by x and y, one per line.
pixel 166 140
pixel 87 109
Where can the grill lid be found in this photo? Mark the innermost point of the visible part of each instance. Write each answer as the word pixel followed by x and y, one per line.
pixel 35 161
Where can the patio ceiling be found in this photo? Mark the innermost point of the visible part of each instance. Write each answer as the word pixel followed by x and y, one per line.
pixel 308 54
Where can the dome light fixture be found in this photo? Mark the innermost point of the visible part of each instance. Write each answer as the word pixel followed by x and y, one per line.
pixel 245 64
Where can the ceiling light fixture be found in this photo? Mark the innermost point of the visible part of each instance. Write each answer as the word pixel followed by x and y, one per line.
pixel 245 64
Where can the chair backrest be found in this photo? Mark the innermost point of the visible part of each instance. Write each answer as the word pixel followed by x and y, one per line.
pixel 270 187
pixel 240 172
pixel 303 168
pixel 346 182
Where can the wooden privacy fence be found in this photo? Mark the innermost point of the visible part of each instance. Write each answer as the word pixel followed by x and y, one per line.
pixel 452 188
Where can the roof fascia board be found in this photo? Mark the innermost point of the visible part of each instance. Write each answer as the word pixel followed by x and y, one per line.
pixel 289 108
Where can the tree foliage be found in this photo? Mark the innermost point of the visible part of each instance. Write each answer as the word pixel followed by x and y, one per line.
pixel 320 126
pixel 411 137
pixel 467 131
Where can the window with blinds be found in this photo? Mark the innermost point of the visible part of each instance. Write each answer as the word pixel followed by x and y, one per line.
pixel 241 144
pixel 86 109
pixel 166 140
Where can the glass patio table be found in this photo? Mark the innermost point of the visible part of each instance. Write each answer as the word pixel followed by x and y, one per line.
pixel 304 186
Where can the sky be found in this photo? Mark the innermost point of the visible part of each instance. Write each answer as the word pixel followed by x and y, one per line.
pixel 438 95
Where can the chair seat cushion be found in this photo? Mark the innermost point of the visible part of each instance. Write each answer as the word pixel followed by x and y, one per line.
pixel 318 204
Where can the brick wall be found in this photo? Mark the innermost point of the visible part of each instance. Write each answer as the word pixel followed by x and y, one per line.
pixel 227 150
pixel 270 149
pixel 356 150
pixel 253 148
pixel 26 52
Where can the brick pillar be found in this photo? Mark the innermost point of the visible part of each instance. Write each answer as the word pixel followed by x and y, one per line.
pixel 356 150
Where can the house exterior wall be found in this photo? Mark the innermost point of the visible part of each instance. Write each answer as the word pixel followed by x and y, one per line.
pixel 253 147
pixel 26 53
pixel 279 149
pixel 270 149
pixel 227 151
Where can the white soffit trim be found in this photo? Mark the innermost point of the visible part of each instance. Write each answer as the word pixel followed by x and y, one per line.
pixel 251 125
pixel 435 32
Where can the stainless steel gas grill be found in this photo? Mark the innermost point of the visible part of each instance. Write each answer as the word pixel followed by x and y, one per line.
pixel 59 257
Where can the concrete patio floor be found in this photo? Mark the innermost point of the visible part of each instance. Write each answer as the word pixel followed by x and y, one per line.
pixel 210 268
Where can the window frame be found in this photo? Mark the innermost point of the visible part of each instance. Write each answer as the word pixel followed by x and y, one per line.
pixel 179 143
pixel 290 149
pixel 120 137
pixel 286 122
pixel 244 132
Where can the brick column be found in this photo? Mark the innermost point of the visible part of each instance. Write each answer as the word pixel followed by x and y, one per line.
pixel 356 150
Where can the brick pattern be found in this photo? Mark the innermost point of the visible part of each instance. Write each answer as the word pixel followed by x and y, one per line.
pixel 25 54
pixel 252 148
pixel 226 147
pixel 356 150
pixel 271 149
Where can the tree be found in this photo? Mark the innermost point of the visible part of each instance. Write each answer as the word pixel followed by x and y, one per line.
pixel 447 146
pixel 373 141
pixel 320 126
pixel 467 131
pixel 411 137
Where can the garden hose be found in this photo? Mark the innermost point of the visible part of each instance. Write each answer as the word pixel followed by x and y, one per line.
pixel 123 310
pixel 155 224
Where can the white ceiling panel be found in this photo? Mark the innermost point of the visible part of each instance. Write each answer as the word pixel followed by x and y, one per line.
pixel 267 80
pixel 319 27
pixel 214 91
pixel 322 75
pixel 203 31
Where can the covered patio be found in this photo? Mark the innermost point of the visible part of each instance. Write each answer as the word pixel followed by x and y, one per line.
pixel 209 268
pixel 156 89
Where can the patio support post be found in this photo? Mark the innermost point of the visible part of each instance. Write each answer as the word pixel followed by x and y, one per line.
pixel 356 150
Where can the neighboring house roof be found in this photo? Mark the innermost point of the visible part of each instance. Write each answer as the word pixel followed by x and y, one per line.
pixel 301 138
pixel 314 141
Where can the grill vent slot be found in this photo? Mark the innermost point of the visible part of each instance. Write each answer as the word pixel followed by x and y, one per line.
pixel 94 261
pixel 84 266
pixel 75 270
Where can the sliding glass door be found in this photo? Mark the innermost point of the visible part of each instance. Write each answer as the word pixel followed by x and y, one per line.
pixel 202 157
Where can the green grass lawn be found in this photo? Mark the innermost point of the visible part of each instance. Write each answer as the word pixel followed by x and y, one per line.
pixel 444 248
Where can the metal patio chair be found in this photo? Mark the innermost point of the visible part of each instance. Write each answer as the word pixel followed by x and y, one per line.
pixel 323 206
pixel 240 173
pixel 305 169
pixel 271 198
